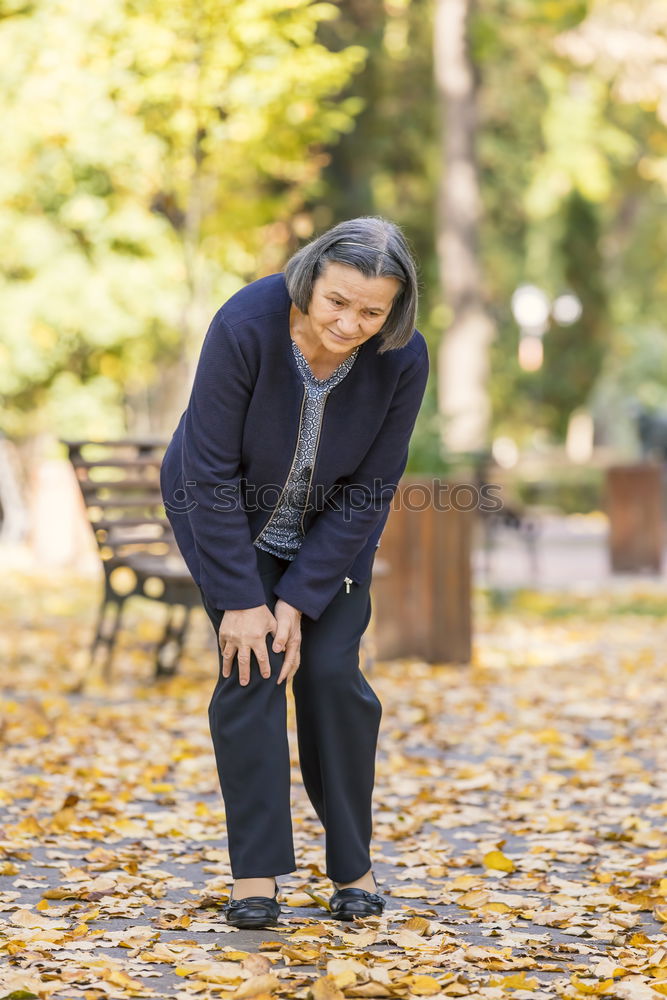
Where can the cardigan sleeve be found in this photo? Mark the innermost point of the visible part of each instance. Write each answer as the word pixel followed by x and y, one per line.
pixel 341 530
pixel 211 458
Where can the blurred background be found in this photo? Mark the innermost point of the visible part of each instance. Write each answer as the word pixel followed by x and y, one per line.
pixel 157 156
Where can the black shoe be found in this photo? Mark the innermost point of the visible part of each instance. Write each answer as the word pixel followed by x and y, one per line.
pixel 253 911
pixel 346 904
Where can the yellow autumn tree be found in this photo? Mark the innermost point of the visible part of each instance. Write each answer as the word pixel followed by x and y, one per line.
pixel 152 156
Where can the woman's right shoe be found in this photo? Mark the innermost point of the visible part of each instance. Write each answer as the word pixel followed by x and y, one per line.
pixel 253 911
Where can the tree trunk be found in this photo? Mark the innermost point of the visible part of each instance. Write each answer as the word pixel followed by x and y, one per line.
pixel 463 356
pixel 169 397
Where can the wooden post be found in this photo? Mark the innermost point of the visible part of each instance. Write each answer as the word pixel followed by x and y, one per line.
pixel 635 509
pixel 422 594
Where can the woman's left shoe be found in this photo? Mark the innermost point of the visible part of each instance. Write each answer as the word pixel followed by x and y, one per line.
pixel 253 911
pixel 346 904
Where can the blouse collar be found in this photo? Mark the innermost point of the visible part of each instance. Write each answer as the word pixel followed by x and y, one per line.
pixel 330 381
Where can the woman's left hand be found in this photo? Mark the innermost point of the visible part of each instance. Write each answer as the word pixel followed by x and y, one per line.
pixel 288 637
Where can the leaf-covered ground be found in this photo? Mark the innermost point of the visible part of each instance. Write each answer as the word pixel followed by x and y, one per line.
pixel 521 816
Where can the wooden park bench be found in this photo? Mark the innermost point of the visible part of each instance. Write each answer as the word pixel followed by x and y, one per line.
pixel 512 514
pixel 120 485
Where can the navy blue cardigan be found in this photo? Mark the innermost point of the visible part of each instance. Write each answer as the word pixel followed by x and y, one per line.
pixel 232 451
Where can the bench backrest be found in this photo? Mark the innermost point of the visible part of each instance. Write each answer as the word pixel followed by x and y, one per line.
pixel 120 484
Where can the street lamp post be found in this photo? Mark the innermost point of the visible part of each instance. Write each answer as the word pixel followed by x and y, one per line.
pixel 531 308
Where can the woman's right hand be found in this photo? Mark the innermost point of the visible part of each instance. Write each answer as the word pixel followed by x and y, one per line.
pixel 243 632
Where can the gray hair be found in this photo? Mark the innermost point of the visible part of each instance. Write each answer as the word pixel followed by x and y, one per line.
pixel 378 249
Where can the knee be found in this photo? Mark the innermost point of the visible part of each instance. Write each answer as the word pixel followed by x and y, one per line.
pixel 332 674
pixel 326 680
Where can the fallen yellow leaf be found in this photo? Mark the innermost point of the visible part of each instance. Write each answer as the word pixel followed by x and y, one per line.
pixel 346 971
pixel 516 981
pixel 325 988
pixel 256 964
pixel 63 819
pixel 495 908
pixel 26 918
pixel 256 985
pixel 498 861
pixel 422 986
pixel 464 882
pixel 298 899
pixel 601 987
pixel 409 891
pixel 420 925
pixel 469 900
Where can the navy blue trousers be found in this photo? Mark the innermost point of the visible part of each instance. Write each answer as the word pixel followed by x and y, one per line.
pixel 338 719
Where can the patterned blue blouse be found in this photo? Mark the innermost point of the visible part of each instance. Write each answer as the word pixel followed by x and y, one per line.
pixel 282 535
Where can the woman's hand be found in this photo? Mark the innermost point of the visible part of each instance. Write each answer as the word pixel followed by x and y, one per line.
pixel 288 637
pixel 242 632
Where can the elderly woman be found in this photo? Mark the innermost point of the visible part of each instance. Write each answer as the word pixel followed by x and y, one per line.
pixel 278 482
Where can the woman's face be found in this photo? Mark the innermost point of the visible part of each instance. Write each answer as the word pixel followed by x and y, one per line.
pixel 347 308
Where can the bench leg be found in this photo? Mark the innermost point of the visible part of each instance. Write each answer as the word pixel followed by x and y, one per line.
pixel 488 546
pixel 108 625
pixel 170 647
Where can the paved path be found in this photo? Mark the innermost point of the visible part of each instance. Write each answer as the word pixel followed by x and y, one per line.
pixel 570 553
pixel 549 748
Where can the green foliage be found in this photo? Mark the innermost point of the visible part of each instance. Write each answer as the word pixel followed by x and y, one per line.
pixel 582 144
pixel 425 457
pixel 573 354
pixel 546 147
pixel 568 205
pixel 157 155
